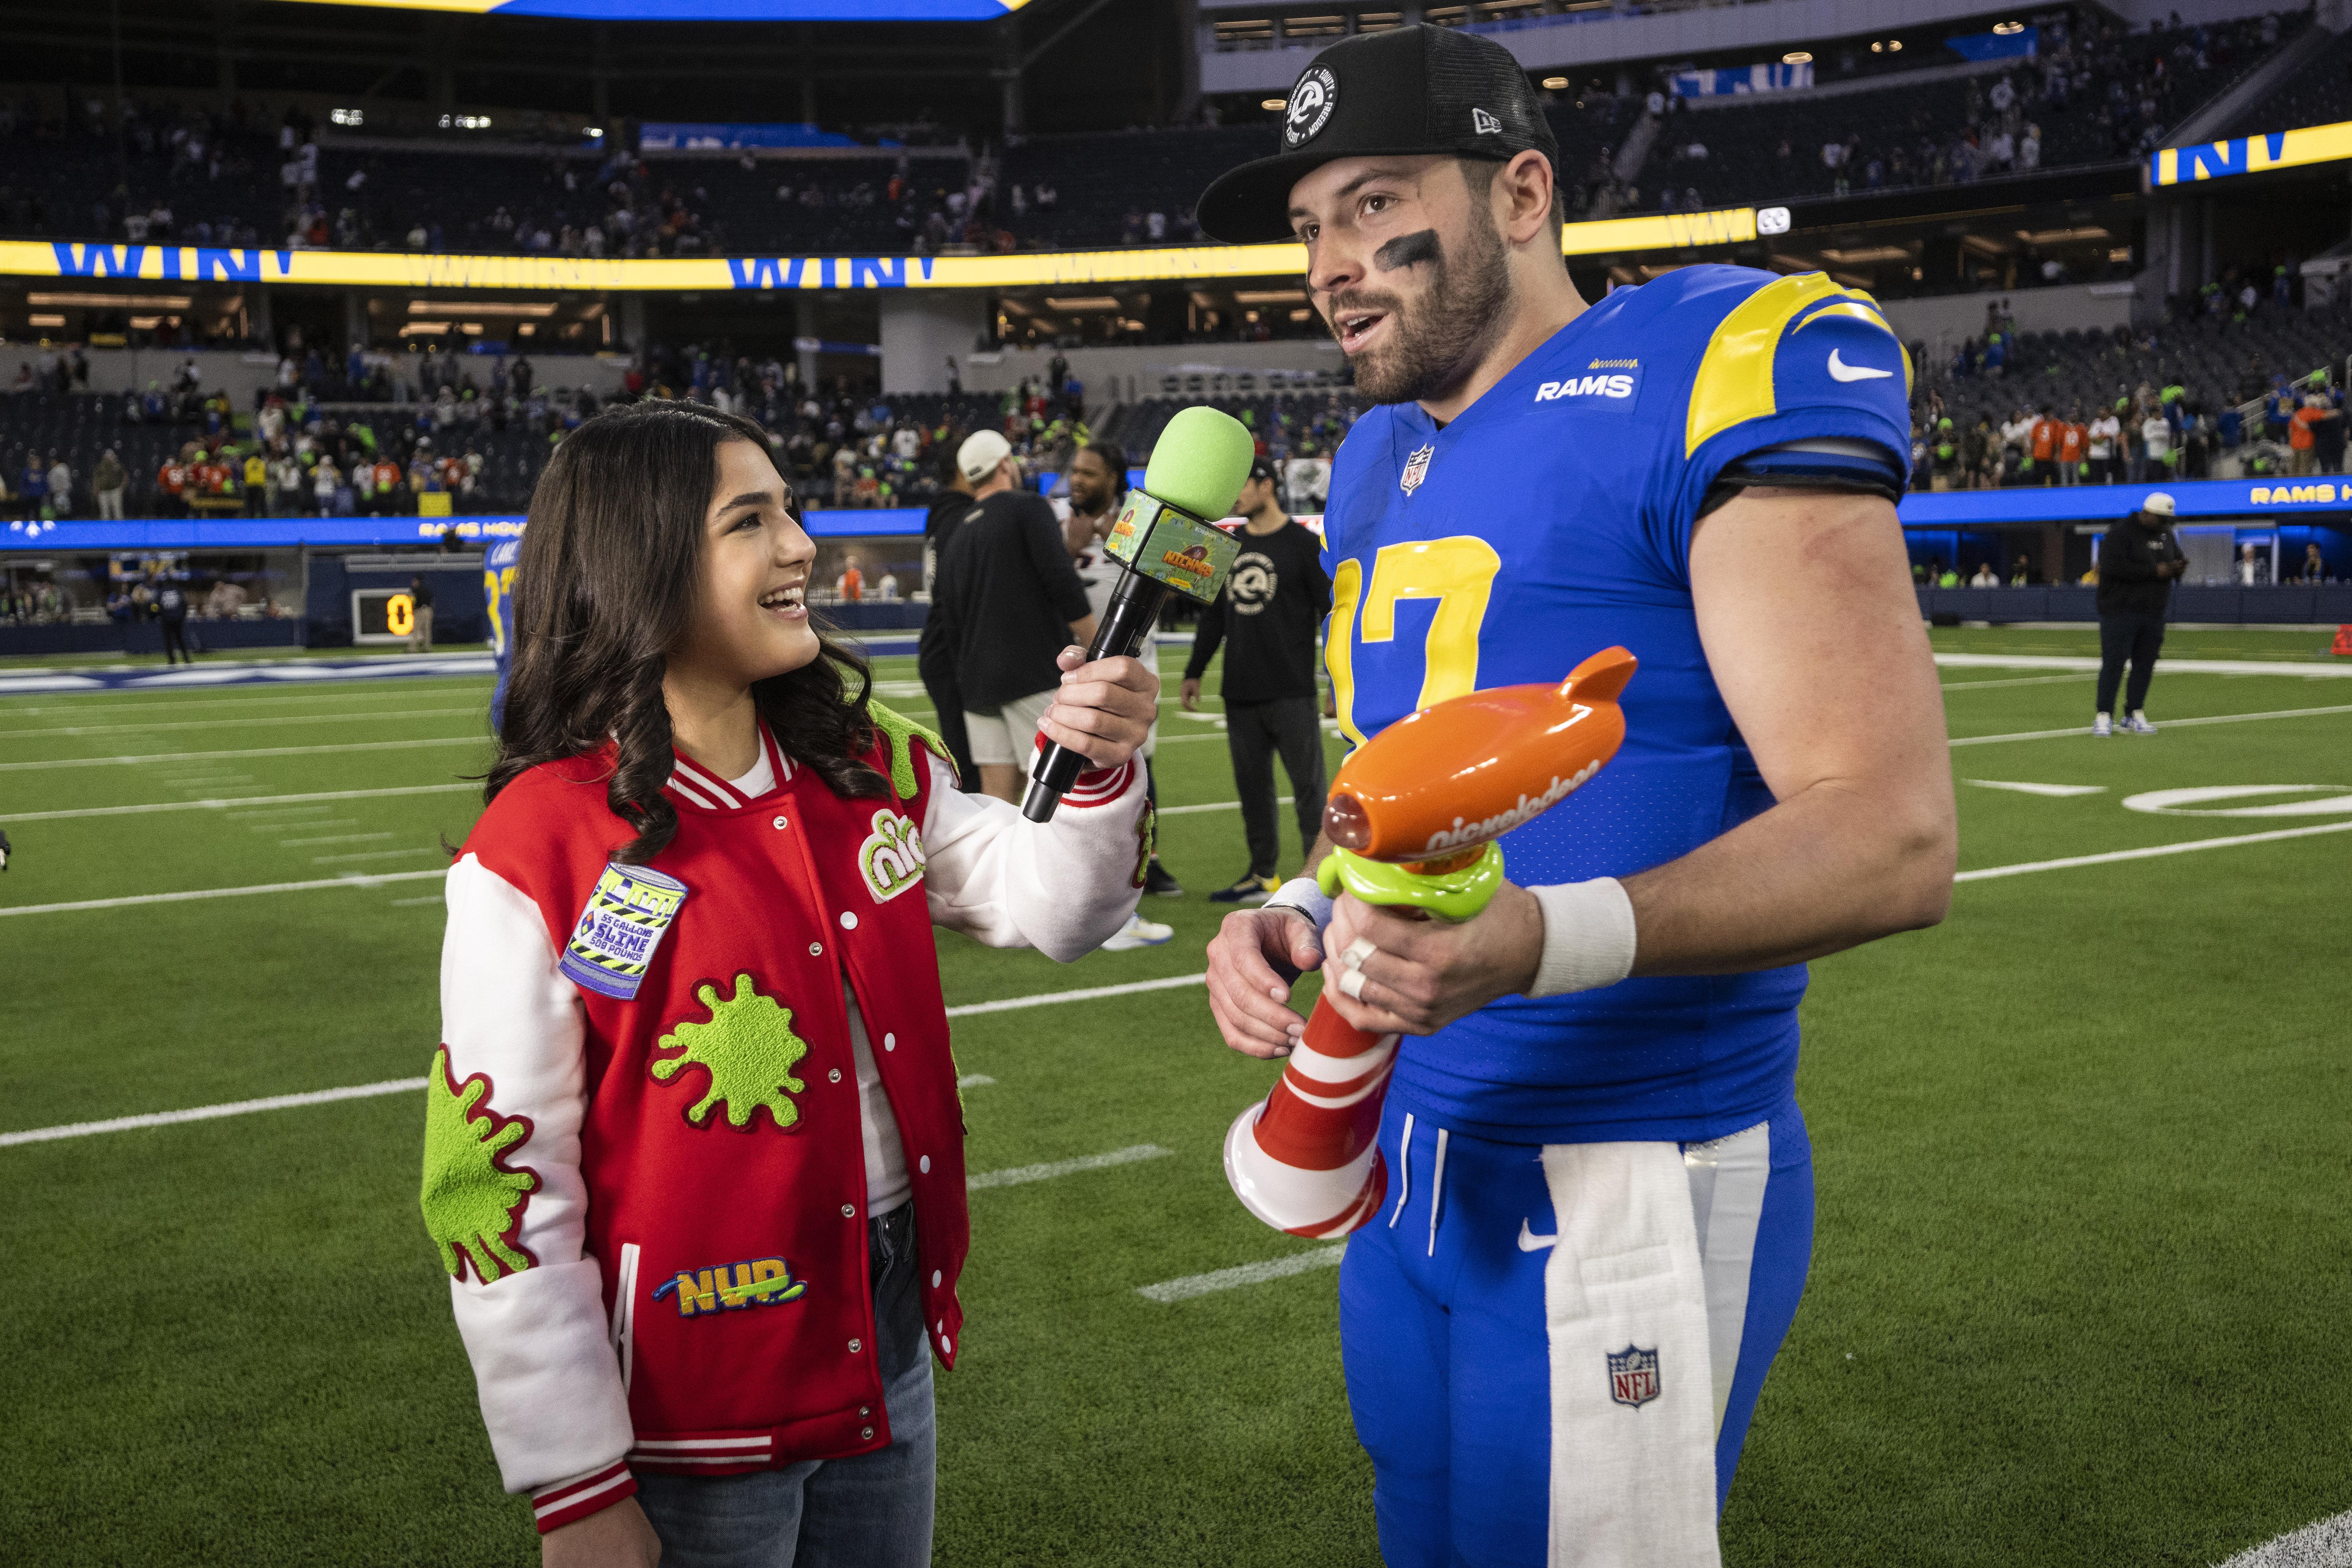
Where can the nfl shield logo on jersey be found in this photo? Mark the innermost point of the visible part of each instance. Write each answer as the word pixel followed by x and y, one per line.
pixel 1416 468
pixel 1632 1376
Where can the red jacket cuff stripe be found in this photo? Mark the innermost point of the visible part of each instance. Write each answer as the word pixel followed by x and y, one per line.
pixel 575 1501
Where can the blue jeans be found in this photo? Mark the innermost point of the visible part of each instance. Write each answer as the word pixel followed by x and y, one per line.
pixel 872 1511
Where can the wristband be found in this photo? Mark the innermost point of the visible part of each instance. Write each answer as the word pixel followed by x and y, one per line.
pixel 1302 894
pixel 1588 936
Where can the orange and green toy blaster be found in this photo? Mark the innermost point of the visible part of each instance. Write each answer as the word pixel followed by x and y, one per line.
pixel 1415 812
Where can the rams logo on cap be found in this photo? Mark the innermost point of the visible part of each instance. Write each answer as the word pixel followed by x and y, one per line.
pixel 1311 102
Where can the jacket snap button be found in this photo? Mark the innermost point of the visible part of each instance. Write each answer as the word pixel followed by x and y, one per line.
pixel 925 1164
pixel 890 1042
pixel 835 1076
pixel 848 919
pixel 849 1211
pixel 935 1279
pixel 856 1346
pixel 816 949
pixel 866 1410
pixel 780 822
pixel 867 1432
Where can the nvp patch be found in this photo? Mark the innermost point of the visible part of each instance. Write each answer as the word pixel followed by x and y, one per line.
pixel 761 1283
pixel 627 915
pixel 1604 383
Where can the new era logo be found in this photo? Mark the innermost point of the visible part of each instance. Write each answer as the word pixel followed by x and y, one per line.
pixel 1483 123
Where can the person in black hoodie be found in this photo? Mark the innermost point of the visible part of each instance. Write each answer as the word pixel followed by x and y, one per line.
pixel 2140 560
pixel 934 652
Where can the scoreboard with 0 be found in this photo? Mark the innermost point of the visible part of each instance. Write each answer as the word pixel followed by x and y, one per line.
pixel 383 615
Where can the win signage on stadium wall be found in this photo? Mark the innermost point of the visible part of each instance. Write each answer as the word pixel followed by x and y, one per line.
pixel 208 264
pixel 2251 154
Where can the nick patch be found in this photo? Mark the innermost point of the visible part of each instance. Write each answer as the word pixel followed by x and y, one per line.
pixel 627 915
pixel 1416 468
pixel 761 1283
pixel 891 860
pixel 1632 1376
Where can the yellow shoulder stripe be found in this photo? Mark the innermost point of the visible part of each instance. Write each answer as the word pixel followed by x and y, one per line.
pixel 1734 384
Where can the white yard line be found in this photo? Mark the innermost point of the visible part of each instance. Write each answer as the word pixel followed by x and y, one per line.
pixel 367 1090
pixel 356 880
pixel 1234 1278
pixel 330 838
pixel 2326 1544
pixel 1014 1003
pixel 242 723
pixel 2167 724
pixel 369 855
pixel 2020 681
pixel 224 804
pixel 2151 851
pixel 262 752
pixel 2309 670
pixel 412 904
pixel 406 691
pixel 2053 791
pixel 1020 1174
pixel 209 1112
pixel 1212 805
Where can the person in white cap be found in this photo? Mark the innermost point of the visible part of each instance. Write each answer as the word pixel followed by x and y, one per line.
pixel 2140 560
pixel 1007 601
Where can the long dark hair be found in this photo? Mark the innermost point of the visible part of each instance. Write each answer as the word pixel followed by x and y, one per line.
pixel 613 557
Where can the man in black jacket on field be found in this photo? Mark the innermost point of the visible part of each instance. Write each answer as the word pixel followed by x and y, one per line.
pixel 1276 598
pixel 2140 560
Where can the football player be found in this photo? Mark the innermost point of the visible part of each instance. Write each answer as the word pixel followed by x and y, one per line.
pixel 1600 1205
pixel 499 599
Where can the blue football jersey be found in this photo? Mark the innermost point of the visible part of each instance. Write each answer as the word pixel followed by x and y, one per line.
pixel 497 599
pixel 1551 519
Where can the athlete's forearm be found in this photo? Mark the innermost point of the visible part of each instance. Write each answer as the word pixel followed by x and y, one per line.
pixel 1833 867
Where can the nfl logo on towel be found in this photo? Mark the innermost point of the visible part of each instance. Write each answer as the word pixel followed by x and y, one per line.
pixel 1416 468
pixel 1632 1376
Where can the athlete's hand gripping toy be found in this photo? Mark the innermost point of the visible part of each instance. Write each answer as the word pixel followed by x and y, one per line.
pixel 1415 812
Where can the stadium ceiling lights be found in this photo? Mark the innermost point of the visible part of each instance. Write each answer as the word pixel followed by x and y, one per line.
pixel 1270 296
pixel 1090 302
pixel 2006 28
pixel 1273 102
pixel 111 301
pixel 479 307
pixel 1796 58
pixel 1554 84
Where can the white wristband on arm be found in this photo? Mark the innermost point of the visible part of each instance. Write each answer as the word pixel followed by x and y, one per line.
pixel 1303 894
pixel 1588 936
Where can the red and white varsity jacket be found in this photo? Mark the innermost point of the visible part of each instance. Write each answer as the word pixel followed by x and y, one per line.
pixel 642 1162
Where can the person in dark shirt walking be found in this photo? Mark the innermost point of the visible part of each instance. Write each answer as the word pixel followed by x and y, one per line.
pixel 1008 602
pixel 2139 561
pixel 1265 619
pixel 172 612
pixel 420 603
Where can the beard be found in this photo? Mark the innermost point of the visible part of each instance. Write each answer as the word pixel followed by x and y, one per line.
pixel 1437 339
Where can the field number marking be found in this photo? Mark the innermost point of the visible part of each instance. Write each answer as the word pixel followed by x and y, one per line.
pixel 2334 801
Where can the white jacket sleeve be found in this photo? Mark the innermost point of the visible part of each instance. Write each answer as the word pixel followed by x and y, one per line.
pixel 1062 886
pixel 530 1305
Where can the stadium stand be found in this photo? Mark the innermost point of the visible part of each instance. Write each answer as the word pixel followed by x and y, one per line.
pixel 2320 93
pixel 2095 94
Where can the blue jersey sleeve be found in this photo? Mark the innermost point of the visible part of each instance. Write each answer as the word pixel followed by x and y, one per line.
pixel 1800 363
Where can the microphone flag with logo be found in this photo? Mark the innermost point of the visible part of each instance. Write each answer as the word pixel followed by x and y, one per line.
pixel 1165 541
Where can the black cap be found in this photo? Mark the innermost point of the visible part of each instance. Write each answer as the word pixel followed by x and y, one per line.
pixel 1260 468
pixel 1410 90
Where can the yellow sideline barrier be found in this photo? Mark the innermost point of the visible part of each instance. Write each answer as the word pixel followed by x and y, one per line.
pixel 365 268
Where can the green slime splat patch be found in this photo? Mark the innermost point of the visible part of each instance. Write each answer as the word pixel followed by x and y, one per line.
pixel 469 1199
pixel 747 1049
pixel 902 731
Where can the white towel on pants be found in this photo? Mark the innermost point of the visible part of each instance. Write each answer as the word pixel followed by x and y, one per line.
pixel 1632 1397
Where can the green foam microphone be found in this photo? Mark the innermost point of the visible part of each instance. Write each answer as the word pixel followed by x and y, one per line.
pixel 1166 542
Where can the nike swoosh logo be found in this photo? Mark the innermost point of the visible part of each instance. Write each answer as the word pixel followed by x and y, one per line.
pixel 1841 370
pixel 1530 1242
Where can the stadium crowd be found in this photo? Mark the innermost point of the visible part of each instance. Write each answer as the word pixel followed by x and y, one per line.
pixel 2090 92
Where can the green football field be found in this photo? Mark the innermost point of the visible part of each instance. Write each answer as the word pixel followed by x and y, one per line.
pixel 2077 1294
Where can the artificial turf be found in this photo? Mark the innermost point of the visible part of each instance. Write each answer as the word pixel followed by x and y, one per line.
pixel 2076 1296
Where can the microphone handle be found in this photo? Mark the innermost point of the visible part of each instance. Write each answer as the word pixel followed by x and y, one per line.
pixel 1134 609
